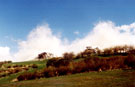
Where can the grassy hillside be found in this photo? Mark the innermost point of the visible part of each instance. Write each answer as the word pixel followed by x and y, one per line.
pixel 41 64
pixel 115 78
pixel 7 79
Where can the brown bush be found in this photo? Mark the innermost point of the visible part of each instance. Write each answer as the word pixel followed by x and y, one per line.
pixel 62 62
pixel 130 60
pixel 27 76
pixel 104 65
pixel 92 63
pixel 69 56
pixel 116 62
pixel 79 67
pixel 34 66
pixel 17 70
pixel 58 62
pixel 49 72
pixel 64 70
pixel 51 62
pixel 8 66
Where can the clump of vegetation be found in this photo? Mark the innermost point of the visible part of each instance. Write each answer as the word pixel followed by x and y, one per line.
pixel 5 62
pixel 27 76
pixel 72 67
pixel 52 62
pixel 69 56
pixel 130 61
pixel 119 57
pixel 49 72
pixel 58 62
pixel 34 66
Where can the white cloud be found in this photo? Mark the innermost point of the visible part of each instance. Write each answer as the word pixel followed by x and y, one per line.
pixel 5 54
pixel 104 34
pixel 76 32
pixel 39 40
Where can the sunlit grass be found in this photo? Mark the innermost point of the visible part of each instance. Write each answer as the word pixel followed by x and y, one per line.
pixel 115 78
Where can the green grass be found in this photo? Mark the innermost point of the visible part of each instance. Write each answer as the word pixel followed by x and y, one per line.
pixel 7 79
pixel 41 64
pixel 115 78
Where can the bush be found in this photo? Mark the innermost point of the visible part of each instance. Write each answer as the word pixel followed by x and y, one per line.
pixel 64 70
pixel 49 72
pixel 8 66
pixel 104 65
pixel 58 62
pixel 69 56
pixel 117 62
pixel 130 61
pixel 62 62
pixel 51 62
pixel 92 64
pixel 79 67
pixel 34 66
pixel 27 76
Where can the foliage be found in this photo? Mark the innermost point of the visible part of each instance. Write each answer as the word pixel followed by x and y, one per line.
pixel 68 56
pixel 27 76
pixel 130 61
pixel 58 62
pixel 115 78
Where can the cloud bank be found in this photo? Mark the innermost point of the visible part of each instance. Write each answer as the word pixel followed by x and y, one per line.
pixel 104 34
pixel 39 40
pixel 5 54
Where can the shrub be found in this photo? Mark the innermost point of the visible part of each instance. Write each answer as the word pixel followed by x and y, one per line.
pixel 51 62
pixel 58 62
pixel 79 55
pixel 34 66
pixel 49 72
pixel 64 70
pixel 117 62
pixel 92 63
pixel 14 66
pixel 62 62
pixel 17 70
pixel 130 61
pixel 27 76
pixel 104 65
pixel 79 67
pixel 8 66
pixel 68 56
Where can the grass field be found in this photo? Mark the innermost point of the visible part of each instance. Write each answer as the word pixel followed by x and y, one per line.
pixel 41 64
pixel 7 79
pixel 115 78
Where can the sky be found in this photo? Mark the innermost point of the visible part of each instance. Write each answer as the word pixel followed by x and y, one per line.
pixel 29 27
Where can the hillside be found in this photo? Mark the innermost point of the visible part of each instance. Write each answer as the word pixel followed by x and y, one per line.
pixel 10 77
pixel 90 68
pixel 115 78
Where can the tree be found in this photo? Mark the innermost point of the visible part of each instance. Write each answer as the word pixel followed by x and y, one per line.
pixel 69 56
pixel 42 55
pixel 108 51
pixel 98 51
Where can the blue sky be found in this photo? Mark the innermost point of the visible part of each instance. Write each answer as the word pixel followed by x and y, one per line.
pixel 19 17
